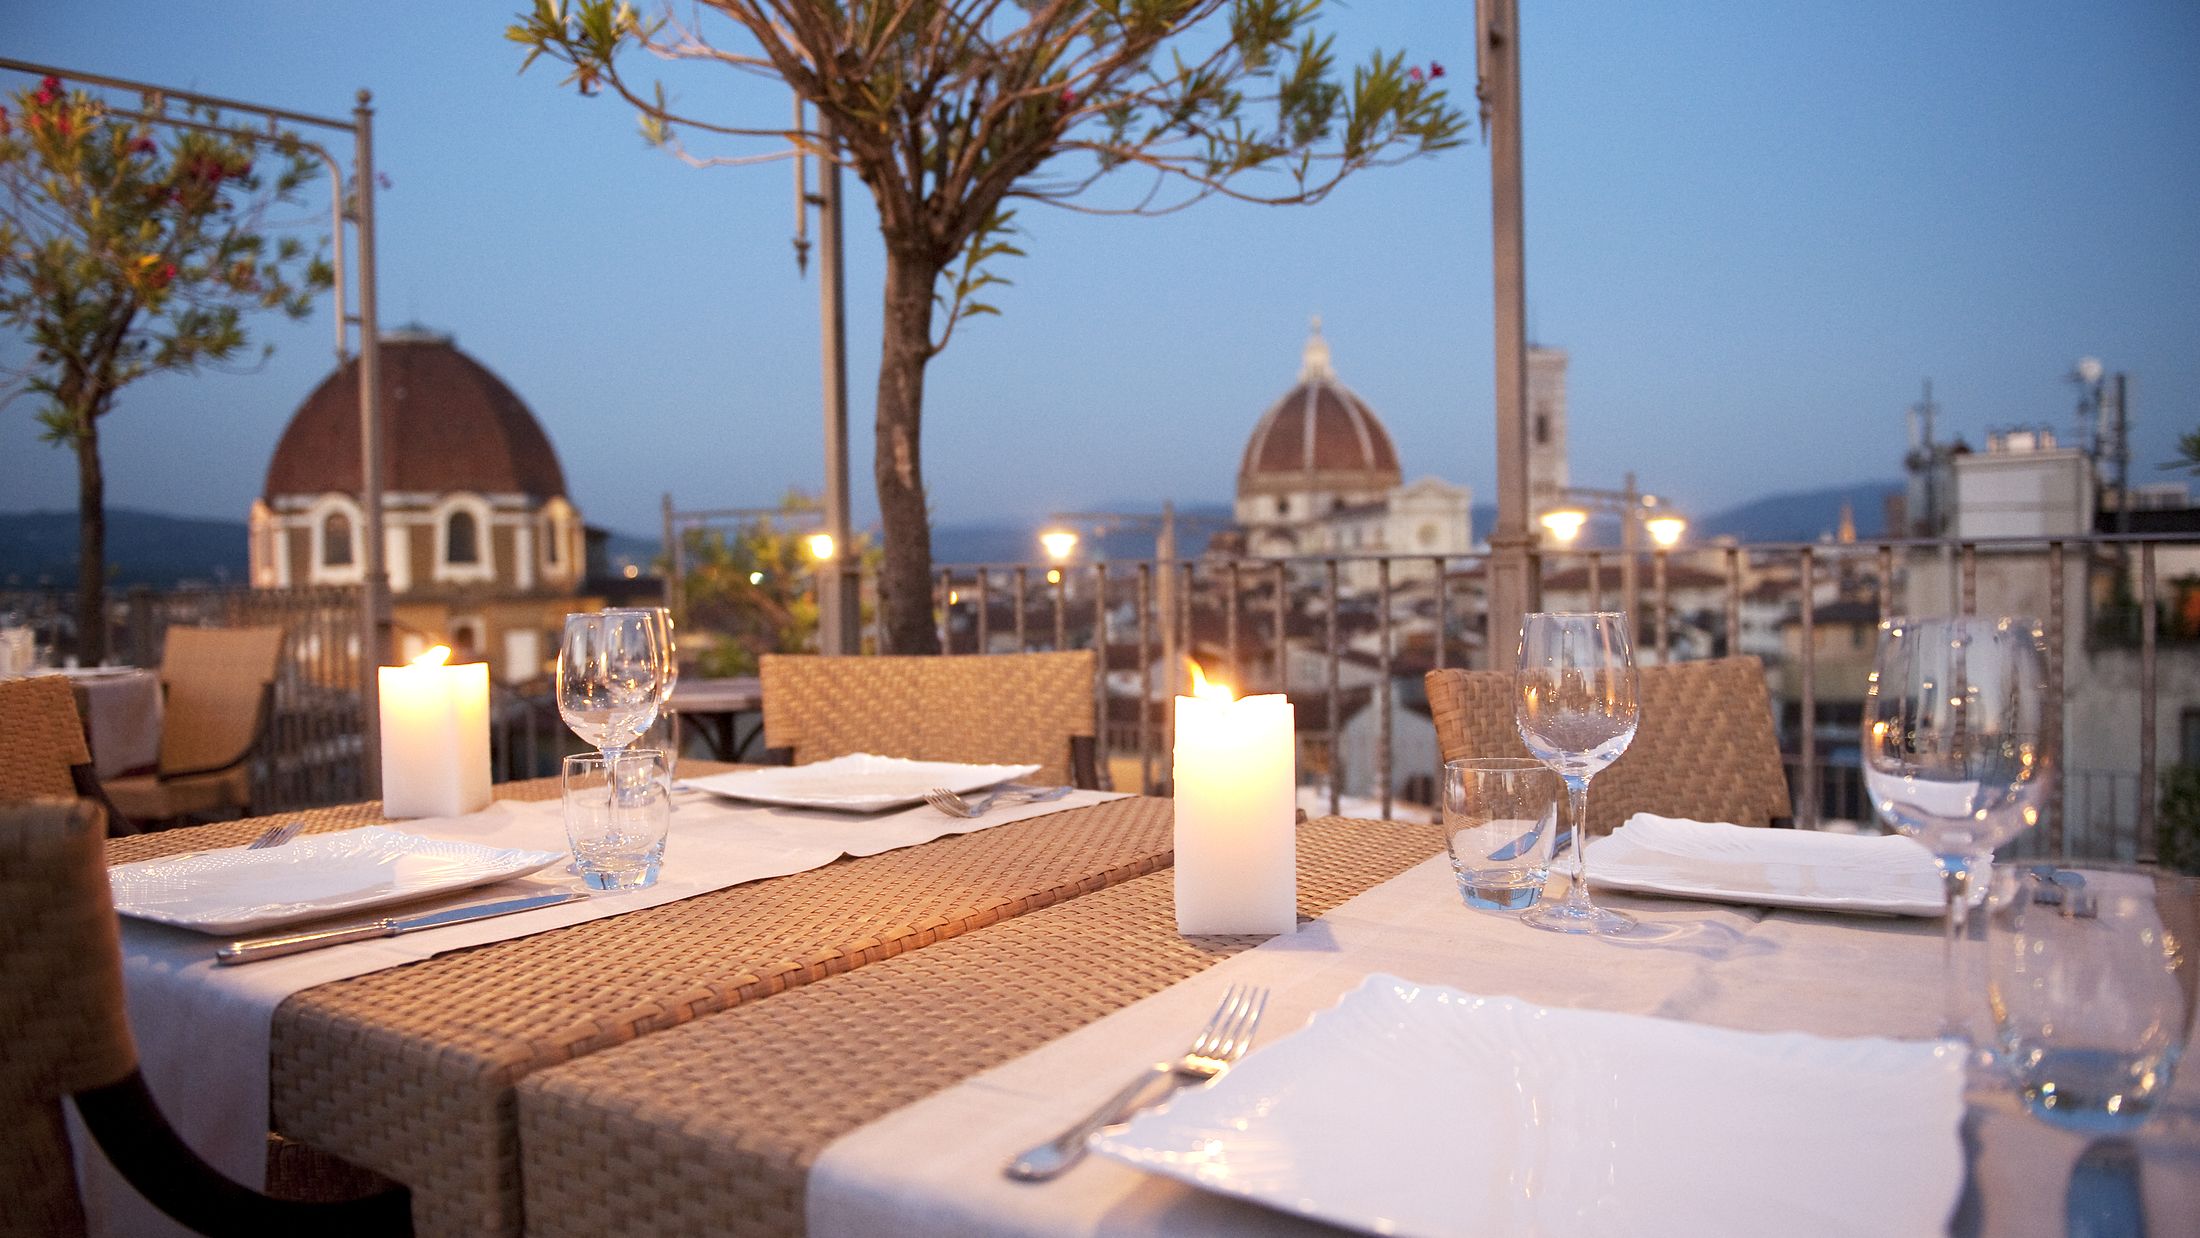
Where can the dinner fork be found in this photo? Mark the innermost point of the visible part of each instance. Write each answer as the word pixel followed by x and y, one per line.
pixel 956 806
pixel 276 835
pixel 1218 1047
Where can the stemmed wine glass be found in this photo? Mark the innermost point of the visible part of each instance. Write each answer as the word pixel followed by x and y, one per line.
pixel 668 672
pixel 1955 751
pixel 1575 700
pixel 611 667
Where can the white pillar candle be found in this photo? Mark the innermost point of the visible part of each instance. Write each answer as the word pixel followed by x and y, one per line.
pixel 435 737
pixel 1236 814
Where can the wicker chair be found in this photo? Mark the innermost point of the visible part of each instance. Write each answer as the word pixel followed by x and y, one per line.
pixel 61 1003
pixel 1024 708
pixel 44 753
pixel 1704 749
pixel 218 687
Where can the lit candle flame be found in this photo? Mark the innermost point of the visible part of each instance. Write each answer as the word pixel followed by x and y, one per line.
pixel 1206 691
pixel 434 657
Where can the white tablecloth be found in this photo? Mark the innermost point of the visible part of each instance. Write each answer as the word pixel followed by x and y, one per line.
pixel 933 1168
pixel 203 1030
pixel 123 708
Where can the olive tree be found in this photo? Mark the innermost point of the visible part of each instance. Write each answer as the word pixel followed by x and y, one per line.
pixel 953 111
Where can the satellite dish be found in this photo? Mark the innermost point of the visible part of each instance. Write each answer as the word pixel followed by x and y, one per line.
pixel 2089 369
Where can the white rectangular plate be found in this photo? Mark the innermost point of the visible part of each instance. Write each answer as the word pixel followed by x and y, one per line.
pixel 237 890
pixel 858 782
pixel 1411 1109
pixel 1783 868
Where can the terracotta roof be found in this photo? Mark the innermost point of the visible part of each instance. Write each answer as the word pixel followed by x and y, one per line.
pixel 449 424
pixel 1320 429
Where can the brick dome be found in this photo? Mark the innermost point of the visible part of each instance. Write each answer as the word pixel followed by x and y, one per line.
pixel 449 425
pixel 1318 436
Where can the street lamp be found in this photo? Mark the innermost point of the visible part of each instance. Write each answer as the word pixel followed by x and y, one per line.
pixel 1059 544
pixel 1666 531
pixel 1565 524
pixel 821 546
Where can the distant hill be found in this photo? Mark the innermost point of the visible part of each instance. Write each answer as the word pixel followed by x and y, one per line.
pixel 38 549
pixel 1794 516
pixel 1018 542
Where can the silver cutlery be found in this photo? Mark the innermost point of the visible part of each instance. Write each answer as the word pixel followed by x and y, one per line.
pixel 254 949
pixel 276 835
pixel 1216 1049
pixel 1008 793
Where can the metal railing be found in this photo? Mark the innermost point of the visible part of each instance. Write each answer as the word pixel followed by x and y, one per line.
pixel 1346 634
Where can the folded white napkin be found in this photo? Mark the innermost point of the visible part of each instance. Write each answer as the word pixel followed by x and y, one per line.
pixel 1795 868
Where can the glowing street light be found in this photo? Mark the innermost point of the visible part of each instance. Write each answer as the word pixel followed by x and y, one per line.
pixel 1565 523
pixel 821 546
pixel 1666 531
pixel 1059 544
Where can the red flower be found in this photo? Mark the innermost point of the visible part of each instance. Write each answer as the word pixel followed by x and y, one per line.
pixel 165 276
pixel 1069 98
pixel 142 146
pixel 1435 69
pixel 61 126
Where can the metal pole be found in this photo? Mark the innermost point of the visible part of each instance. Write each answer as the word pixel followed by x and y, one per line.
pixel 674 578
pixel 1164 553
pixel 1630 544
pixel 1511 590
pixel 374 606
pixel 839 625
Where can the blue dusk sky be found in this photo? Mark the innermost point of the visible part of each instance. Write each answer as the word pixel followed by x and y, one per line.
pixel 1757 227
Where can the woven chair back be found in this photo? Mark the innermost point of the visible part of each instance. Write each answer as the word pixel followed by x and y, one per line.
pixel 1704 748
pixel 1010 709
pixel 60 1001
pixel 214 680
pixel 41 736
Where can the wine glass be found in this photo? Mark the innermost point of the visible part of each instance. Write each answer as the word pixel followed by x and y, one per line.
pixel 610 667
pixel 1955 750
pixel 667 679
pixel 1575 702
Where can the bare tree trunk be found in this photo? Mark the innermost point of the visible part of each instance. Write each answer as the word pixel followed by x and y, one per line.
pixel 905 581
pixel 91 552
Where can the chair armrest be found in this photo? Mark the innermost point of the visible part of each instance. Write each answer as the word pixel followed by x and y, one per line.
pixel 88 786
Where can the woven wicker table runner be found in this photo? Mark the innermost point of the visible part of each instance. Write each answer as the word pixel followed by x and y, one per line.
pixel 409 1072
pixel 723 1118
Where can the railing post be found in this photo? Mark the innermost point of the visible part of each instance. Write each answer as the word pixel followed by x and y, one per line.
pixel 2148 790
pixel 2055 725
pixel 1336 765
pixel 1023 585
pixel 1230 630
pixel 1384 762
pixel 1282 656
pixel 1443 618
pixel 1145 679
pixel 1733 601
pixel 1061 609
pixel 1806 814
pixel 1100 668
pixel 985 613
pixel 1665 617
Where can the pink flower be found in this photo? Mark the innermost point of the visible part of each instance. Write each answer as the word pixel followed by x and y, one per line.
pixel 1414 73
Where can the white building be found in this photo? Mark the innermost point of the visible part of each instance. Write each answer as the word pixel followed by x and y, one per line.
pixel 1320 477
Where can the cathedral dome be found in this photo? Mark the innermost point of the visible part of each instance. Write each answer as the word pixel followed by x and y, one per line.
pixel 1319 436
pixel 448 425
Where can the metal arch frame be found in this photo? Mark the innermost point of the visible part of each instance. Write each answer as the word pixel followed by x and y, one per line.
pixel 374 604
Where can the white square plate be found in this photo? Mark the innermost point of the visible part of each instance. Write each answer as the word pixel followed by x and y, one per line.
pixel 1783 868
pixel 858 782
pixel 238 890
pixel 1410 1109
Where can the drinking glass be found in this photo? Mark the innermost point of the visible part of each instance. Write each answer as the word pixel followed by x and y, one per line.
pixel 2090 977
pixel 1575 702
pixel 1500 823
pixel 1955 754
pixel 618 808
pixel 664 732
pixel 609 669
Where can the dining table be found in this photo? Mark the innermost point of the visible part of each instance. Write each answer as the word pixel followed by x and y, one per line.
pixel 890 1100
pixel 409 1072
pixel 121 707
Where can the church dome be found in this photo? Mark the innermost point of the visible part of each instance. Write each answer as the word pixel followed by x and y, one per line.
pixel 448 425
pixel 1319 436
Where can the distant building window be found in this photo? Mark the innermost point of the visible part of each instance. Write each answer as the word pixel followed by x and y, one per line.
pixel 1542 429
pixel 550 541
pixel 1283 507
pixel 336 541
pixel 462 539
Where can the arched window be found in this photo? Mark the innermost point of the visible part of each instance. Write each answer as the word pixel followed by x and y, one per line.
pixel 336 540
pixel 553 537
pixel 462 539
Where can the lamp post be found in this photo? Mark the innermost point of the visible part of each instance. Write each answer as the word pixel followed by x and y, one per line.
pixel 1665 533
pixel 374 600
pixel 1635 510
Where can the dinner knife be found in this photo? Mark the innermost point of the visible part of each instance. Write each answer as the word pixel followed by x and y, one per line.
pixel 257 948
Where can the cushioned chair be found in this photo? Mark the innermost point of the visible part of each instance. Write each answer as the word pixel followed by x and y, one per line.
pixel 42 747
pixel 1704 747
pixel 68 1039
pixel 217 688
pixel 1009 709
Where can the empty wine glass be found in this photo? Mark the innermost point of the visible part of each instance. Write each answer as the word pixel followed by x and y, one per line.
pixel 663 732
pixel 1575 702
pixel 1955 751
pixel 609 670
